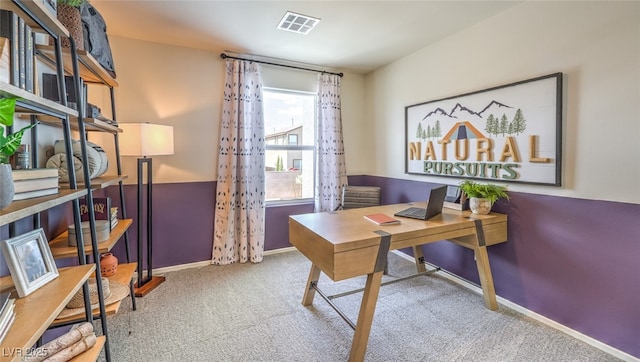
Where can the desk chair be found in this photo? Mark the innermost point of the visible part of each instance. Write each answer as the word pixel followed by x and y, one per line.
pixel 359 196
pixel 354 197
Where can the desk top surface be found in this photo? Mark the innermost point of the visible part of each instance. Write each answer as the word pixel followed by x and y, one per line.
pixel 346 229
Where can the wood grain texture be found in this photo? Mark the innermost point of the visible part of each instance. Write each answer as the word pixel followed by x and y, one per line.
pixel 343 245
pixel 35 312
pixel 60 244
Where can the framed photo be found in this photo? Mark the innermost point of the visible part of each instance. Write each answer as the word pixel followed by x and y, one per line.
pixel 30 261
pixel 509 133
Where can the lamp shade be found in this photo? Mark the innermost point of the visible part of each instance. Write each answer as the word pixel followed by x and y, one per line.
pixel 146 139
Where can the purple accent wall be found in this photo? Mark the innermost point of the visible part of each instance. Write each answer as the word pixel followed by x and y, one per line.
pixel 183 216
pixel 574 261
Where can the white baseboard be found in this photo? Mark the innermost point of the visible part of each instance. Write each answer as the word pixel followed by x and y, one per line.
pixel 199 264
pixel 533 315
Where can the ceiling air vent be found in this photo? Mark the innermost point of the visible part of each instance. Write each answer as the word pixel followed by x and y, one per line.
pixel 297 23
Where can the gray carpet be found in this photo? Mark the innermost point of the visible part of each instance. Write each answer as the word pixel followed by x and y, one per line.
pixel 252 312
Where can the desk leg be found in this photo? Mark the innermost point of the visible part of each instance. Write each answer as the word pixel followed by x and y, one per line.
pixel 365 317
pixel 484 269
pixel 419 257
pixel 309 293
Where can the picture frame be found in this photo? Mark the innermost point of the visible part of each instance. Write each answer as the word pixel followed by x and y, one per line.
pixel 508 133
pixel 30 261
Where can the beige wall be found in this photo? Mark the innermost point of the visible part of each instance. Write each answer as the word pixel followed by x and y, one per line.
pixel 597 47
pixel 182 87
pixel 595 44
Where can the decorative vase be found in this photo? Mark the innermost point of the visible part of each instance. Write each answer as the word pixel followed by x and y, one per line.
pixel 70 17
pixel 7 189
pixel 108 264
pixel 480 206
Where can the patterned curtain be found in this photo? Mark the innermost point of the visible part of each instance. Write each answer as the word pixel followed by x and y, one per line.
pixel 332 171
pixel 239 214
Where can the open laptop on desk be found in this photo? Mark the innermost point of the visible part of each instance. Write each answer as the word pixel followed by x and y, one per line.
pixel 434 206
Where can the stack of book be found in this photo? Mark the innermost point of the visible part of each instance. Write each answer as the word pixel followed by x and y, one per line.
pixel 7 314
pixel 114 217
pixel 34 182
pixel 102 210
pixel 19 42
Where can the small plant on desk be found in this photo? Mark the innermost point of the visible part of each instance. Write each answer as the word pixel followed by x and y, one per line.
pixel 483 196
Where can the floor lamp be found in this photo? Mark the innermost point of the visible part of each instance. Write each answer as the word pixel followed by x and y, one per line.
pixel 145 140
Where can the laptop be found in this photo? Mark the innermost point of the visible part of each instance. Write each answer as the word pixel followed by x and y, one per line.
pixel 434 206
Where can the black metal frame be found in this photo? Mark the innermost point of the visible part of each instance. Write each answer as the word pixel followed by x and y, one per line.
pixel 149 191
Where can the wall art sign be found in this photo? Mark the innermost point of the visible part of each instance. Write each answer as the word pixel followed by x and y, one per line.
pixel 509 133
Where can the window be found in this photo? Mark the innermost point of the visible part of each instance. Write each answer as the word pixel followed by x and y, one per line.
pixel 289 120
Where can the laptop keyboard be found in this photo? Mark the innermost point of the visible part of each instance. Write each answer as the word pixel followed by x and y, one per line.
pixel 414 212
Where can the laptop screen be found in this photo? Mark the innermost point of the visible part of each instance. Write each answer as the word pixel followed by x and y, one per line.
pixel 436 200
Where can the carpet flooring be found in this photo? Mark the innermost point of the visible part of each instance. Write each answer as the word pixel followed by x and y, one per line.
pixel 252 312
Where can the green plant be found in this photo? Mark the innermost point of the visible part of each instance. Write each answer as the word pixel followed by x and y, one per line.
pixel 491 192
pixel 74 3
pixel 9 143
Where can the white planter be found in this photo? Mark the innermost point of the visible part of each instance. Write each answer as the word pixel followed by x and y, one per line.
pixel 7 189
pixel 479 206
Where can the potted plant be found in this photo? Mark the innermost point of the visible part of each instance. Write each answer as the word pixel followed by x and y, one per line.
pixel 482 196
pixel 8 145
pixel 68 14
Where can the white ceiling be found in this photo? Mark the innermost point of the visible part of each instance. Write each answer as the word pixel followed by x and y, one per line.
pixel 358 36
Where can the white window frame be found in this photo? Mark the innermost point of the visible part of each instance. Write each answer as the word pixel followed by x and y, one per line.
pixel 298 147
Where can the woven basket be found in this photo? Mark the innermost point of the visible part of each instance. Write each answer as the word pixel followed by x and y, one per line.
pixel 77 301
pixel 70 17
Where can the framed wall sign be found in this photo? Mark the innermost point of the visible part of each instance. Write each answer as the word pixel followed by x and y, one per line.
pixel 30 261
pixel 510 133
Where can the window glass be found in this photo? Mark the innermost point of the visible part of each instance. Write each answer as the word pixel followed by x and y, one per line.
pixel 290 119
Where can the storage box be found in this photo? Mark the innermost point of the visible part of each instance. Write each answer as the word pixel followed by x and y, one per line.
pixel 102 232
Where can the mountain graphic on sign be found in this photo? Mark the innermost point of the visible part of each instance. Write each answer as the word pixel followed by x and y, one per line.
pixel 492 107
pixel 459 108
pixel 437 111
pixel 459 111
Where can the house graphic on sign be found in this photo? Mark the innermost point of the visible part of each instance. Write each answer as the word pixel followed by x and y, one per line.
pixel 463 130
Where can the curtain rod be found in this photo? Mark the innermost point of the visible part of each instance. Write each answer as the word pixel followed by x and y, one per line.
pixel 225 56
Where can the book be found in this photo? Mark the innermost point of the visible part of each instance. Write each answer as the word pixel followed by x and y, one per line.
pixel 381 219
pixel 5 63
pixel 4 328
pixel 36 193
pixel 7 313
pixel 28 58
pixel 4 301
pixel 114 217
pixel 6 310
pixel 9 29
pixel 101 209
pixel 33 173
pixel 35 184
pixel 21 53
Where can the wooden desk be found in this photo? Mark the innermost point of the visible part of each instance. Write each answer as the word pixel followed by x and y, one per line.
pixel 344 245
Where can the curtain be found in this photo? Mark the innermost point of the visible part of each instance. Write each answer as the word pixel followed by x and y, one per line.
pixel 239 213
pixel 331 173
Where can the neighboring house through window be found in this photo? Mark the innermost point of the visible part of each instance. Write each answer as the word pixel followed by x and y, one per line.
pixel 290 121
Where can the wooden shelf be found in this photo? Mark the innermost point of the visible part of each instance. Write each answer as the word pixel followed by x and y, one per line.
pixel 23 208
pixel 90 70
pixel 91 355
pixel 35 312
pixel 124 276
pixel 38 9
pixel 30 103
pixel 98 183
pixel 90 124
pixel 60 245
